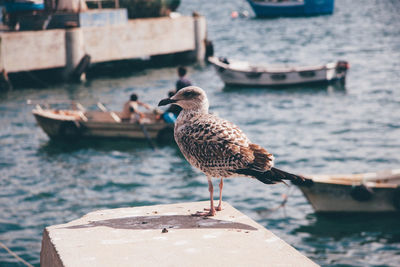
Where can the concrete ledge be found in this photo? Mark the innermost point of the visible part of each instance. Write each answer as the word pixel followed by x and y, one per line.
pixel 140 37
pixel 59 48
pixel 165 235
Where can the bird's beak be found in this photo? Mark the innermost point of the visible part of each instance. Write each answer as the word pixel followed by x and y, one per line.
pixel 166 101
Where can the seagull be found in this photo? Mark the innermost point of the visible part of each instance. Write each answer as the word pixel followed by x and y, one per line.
pixel 218 147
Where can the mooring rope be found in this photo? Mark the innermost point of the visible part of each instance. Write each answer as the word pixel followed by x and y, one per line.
pixel 284 201
pixel 15 255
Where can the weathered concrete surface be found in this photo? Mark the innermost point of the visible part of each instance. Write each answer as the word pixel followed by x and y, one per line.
pixel 140 37
pixel 134 237
pixel 35 50
pixel 32 50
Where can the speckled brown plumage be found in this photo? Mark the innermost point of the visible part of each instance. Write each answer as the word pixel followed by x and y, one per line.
pixel 218 147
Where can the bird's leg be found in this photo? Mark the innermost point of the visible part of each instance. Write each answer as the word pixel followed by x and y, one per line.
pixel 212 209
pixel 221 185
pixel 211 190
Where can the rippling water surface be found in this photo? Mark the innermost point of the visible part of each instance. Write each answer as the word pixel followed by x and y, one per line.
pixel 318 129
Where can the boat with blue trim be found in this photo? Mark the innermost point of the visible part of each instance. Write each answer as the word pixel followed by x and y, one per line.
pixel 291 8
pixel 242 73
pixel 24 5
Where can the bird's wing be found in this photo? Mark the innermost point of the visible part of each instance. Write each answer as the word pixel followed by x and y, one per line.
pixel 209 127
pixel 216 143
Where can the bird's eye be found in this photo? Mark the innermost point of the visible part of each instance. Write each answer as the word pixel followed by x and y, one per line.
pixel 188 94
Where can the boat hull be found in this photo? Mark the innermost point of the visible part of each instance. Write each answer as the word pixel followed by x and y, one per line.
pixel 327 198
pixel 364 192
pixel 292 8
pixel 247 75
pixel 13 7
pixel 57 128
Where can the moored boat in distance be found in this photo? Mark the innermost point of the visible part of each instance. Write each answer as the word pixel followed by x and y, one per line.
pixel 365 192
pixel 291 8
pixel 241 73
pixel 79 124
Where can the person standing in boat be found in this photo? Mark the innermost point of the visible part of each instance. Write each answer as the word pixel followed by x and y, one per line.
pixel 183 81
pixel 173 111
pixel 131 111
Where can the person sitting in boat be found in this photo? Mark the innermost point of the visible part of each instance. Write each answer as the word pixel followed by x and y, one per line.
pixel 183 81
pixel 170 115
pixel 131 111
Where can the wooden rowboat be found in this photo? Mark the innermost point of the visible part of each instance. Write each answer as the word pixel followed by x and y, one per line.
pixel 67 124
pixel 366 192
pixel 241 73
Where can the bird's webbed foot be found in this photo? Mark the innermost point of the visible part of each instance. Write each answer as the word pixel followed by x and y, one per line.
pixel 208 212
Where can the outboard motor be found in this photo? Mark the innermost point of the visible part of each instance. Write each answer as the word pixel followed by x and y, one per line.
pixel 342 66
pixel 224 60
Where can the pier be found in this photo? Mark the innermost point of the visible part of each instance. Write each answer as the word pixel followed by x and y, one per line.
pixel 166 235
pixel 71 49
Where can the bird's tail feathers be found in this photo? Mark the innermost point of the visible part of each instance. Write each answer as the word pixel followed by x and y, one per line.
pixel 271 176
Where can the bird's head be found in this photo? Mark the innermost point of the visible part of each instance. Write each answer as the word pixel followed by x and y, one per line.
pixel 189 98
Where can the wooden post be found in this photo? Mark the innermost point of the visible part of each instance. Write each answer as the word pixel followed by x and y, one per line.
pixel 5 83
pixel 74 50
pixel 200 33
